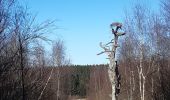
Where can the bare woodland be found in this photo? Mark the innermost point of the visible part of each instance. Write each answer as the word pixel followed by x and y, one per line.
pixel 28 72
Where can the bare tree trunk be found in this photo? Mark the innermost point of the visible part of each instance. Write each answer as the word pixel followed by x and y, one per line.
pixel 111 73
pixel 141 81
pixel 143 92
pixel 111 69
pixel 132 85
pixel 111 51
pixel 141 76
pixel 140 85
pixel 152 87
pixel 22 70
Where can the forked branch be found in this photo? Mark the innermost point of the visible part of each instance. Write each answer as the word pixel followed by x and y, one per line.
pixel 105 47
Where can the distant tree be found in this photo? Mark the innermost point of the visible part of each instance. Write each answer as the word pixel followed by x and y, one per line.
pixel 58 53
pixel 59 59
pixel 39 53
pixel 80 80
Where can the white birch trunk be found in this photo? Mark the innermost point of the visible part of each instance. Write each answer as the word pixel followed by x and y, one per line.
pixel 142 79
pixel 143 92
pixel 140 69
pixel 111 73
pixel 113 92
pixel 140 86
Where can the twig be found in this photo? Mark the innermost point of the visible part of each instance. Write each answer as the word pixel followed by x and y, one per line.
pixel 101 53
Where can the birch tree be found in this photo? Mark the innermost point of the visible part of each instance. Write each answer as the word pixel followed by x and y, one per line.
pixel 141 29
pixel 110 50
pixel 59 59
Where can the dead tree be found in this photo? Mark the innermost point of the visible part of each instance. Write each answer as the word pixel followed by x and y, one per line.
pixel 110 50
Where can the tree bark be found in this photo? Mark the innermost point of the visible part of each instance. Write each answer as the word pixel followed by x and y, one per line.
pixel 111 73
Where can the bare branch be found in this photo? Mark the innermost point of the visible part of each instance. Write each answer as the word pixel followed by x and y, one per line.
pixel 103 52
pixel 104 47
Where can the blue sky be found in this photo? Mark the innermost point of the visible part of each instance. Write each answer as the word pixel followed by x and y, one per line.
pixel 83 24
